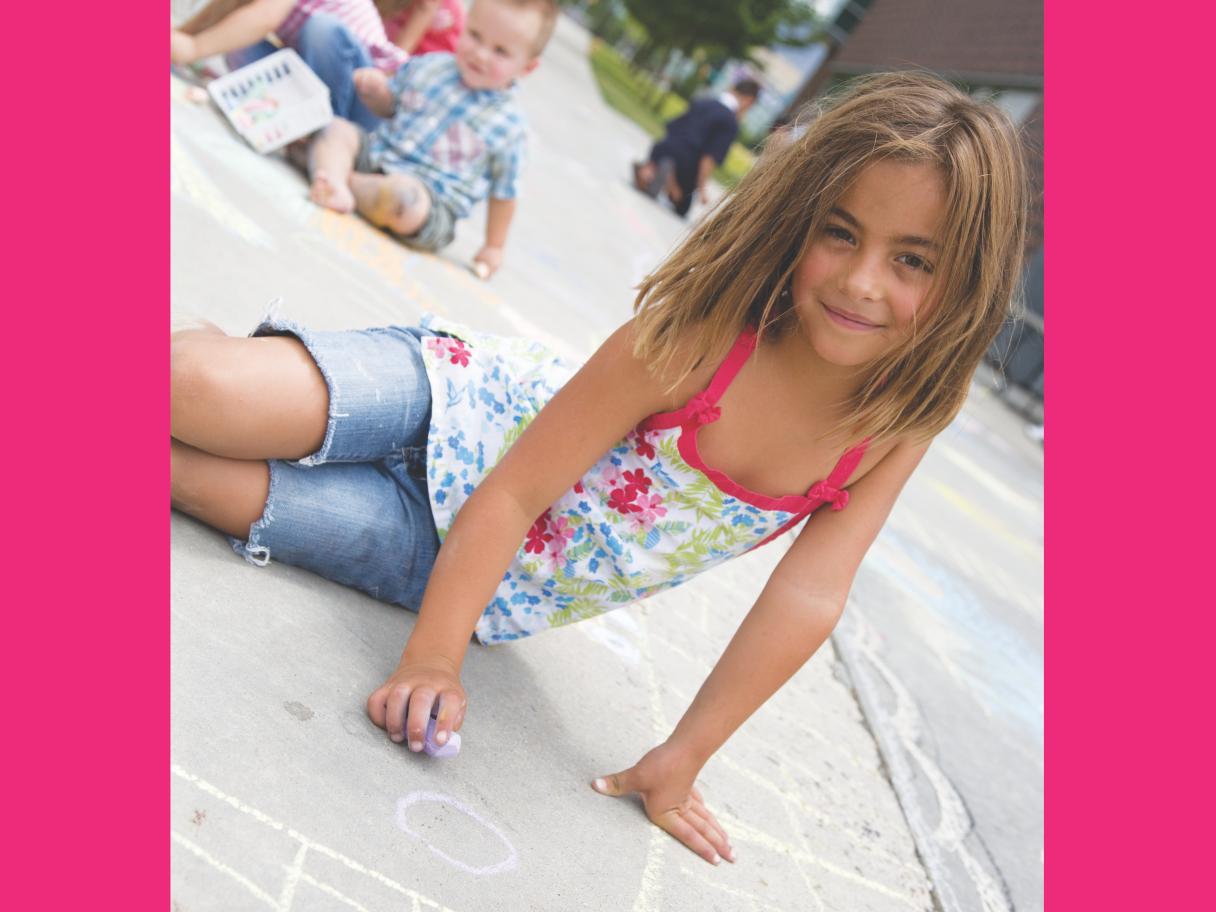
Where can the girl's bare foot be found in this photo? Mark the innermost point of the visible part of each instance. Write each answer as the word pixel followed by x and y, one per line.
pixel 330 194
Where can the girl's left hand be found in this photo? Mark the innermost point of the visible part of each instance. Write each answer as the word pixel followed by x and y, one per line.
pixel 672 802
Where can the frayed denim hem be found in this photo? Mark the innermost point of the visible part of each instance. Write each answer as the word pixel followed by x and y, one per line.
pixel 274 325
pixel 252 549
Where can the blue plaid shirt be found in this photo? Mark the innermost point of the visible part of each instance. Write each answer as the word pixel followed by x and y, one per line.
pixel 461 142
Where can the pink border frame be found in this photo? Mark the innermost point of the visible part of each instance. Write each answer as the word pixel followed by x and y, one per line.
pixel 86 671
pixel 1128 642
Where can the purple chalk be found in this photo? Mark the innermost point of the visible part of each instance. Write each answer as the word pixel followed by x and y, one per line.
pixel 442 751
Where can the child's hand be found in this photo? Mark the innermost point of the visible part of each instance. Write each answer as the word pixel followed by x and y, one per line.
pixel 491 259
pixel 371 85
pixel 419 686
pixel 181 47
pixel 672 801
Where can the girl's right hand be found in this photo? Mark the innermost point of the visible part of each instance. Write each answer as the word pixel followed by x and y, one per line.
pixel 404 703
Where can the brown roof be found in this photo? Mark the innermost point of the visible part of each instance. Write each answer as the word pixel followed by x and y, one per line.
pixel 992 42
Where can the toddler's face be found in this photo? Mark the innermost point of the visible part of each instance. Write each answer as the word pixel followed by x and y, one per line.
pixel 866 277
pixel 497 44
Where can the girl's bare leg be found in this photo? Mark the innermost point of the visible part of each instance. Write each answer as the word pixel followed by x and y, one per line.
pixel 242 398
pixel 330 160
pixel 228 494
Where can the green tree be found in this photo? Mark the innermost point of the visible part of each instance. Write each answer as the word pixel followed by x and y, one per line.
pixel 717 30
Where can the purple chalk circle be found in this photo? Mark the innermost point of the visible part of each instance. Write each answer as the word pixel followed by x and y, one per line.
pixel 442 751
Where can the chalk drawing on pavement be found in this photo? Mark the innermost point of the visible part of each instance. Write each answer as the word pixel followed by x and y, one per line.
pixel 294 874
pixel 188 181
pixel 508 863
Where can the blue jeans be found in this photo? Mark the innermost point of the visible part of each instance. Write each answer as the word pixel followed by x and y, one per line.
pixel 333 53
pixel 358 510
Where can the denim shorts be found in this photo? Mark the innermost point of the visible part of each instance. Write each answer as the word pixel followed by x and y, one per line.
pixel 357 511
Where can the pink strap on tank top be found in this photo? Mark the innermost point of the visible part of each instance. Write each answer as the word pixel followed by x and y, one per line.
pixel 703 409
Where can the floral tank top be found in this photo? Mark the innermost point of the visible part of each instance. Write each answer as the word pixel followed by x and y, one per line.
pixel 647 516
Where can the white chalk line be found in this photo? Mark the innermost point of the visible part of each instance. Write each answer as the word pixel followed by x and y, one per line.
pixel 756 904
pixel 293 877
pixel 647 899
pixel 254 890
pixel 857 840
pixel 418 899
pixel 749 834
pixel 507 864
pixel 802 843
pixel 795 801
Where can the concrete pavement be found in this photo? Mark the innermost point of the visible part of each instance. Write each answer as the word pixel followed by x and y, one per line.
pixel 285 795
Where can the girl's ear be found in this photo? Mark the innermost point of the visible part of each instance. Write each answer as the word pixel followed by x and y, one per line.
pixel 531 65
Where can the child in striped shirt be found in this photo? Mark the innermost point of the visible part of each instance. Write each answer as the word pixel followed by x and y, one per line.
pixel 334 37
pixel 452 136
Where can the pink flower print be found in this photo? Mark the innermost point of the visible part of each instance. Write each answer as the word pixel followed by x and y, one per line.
pixel 650 508
pixel 459 353
pixel 538 538
pixel 611 476
pixel 560 533
pixel 445 347
pixel 638 480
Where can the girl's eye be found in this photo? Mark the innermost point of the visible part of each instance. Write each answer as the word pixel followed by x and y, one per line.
pixel 918 263
pixel 837 232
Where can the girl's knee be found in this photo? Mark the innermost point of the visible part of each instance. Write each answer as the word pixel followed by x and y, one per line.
pixel 189 374
pixel 202 371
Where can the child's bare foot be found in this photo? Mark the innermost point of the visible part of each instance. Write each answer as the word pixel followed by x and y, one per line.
pixel 330 194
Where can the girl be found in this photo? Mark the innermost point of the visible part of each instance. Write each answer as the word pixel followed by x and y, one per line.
pixel 794 356
pixel 334 37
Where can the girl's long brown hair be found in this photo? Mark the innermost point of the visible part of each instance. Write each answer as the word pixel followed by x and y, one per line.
pixel 731 271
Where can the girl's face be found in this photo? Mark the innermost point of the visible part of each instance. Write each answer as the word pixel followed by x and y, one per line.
pixel 867 274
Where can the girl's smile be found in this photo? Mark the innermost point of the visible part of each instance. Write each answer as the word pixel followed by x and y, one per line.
pixel 851 320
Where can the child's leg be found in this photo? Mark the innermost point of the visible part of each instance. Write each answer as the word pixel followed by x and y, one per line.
pixel 260 398
pixel 228 494
pixel 334 53
pixel 398 202
pixel 331 157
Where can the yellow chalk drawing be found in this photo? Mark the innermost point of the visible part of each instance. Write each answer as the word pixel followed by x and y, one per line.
pixel 188 181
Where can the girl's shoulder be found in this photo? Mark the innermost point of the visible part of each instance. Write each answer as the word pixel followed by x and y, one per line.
pixel 896 457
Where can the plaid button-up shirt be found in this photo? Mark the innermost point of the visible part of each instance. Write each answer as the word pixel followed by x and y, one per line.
pixel 462 143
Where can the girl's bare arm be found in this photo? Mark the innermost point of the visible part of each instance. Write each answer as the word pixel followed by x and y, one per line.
pixel 796 611
pixel 793 616
pixel 239 27
pixel 587 417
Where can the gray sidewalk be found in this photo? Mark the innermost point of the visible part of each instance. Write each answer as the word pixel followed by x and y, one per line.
pixel 286 796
